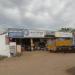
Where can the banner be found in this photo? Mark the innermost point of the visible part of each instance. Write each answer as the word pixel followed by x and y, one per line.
pixel 63 34
pixel 33 33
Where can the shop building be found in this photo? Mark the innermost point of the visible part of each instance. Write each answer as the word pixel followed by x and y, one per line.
pixel 26 40
pixel 19 40
pixel 4 44
pixel 63 41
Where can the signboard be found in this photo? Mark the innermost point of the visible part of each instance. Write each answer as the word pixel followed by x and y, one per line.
pixel 18 48
pixel 63 34
pixel 33 33
pixel 22 33
pixel 16 34
pixel 50 34
pixel 12 48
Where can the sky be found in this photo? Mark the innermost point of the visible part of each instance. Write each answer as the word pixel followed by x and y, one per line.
pixel 38 14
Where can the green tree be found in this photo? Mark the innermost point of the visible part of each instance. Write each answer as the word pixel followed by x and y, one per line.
pixel 66 30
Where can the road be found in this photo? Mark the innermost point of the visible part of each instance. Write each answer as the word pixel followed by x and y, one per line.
pixel 39 63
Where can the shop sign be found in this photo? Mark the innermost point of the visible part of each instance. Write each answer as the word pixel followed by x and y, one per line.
pixel 50 34
pixel 16 34
pixel 63 34
pixel 33 33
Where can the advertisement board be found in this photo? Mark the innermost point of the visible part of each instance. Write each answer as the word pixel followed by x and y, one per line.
pixel 50 34
pixel 18 48
pixel 33 33
pixel 63 34
pixel 22 33
pixel 12 47
pixel 16 34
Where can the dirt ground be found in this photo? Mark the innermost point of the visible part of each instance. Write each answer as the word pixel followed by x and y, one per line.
pixel 39 63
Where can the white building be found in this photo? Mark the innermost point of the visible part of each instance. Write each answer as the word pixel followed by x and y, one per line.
pixel 4 46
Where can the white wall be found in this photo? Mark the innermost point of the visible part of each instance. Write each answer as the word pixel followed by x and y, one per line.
pixel 4 49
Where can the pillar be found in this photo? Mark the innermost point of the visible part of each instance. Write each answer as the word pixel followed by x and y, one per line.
pixel 32 45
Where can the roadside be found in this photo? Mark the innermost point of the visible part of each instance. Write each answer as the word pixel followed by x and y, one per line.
pixel 38 63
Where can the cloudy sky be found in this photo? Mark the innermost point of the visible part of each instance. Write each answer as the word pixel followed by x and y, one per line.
pixel 43 14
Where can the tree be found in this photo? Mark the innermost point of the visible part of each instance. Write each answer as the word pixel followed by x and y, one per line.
pixel 66 30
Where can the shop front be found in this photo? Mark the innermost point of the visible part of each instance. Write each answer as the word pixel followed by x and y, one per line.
pixel 27 39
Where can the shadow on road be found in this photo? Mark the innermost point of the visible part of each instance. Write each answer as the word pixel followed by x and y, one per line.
pixel 71 71
pixel 64 51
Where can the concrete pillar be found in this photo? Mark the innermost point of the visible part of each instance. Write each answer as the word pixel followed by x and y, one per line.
pixel 32 45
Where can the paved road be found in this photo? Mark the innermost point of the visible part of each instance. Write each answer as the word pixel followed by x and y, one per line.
pixel 39 63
